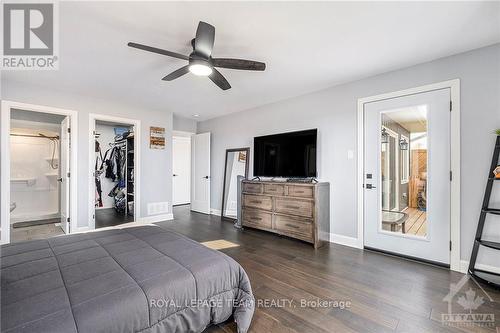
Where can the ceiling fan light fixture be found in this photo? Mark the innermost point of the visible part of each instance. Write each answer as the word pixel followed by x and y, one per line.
pixel 200 69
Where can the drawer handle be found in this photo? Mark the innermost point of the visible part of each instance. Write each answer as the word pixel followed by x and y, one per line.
pixel 299 191
pixel 256 201
pixel 292 207
pixel 292 226
pixel 255 218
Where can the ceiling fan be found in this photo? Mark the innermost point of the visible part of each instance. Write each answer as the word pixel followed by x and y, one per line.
pixel 200 60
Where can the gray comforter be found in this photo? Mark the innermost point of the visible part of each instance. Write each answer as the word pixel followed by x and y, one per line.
pixel 142 279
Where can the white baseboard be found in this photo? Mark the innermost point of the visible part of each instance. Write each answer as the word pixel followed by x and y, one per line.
pixel 464 266
pixel 214 211
pixel 156 218
pixel 342 240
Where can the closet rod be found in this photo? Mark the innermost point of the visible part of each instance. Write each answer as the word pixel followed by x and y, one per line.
pixel 37 136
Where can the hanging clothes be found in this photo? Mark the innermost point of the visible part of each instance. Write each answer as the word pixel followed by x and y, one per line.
pixel 97 176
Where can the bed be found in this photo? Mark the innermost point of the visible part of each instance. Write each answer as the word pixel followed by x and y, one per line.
pixel 141 279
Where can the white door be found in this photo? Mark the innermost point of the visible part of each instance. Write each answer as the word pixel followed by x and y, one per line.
pixel 181 182
pixel 407 184
pixel 200 180
pixel 64 175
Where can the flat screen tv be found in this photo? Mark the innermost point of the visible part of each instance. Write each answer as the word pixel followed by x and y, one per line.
pixel 287 155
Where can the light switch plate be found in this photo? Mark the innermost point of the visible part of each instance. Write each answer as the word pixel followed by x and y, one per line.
pixel 350 154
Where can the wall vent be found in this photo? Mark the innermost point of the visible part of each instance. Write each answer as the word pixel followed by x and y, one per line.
pixel 155 208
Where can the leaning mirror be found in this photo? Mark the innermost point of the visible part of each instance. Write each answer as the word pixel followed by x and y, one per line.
pixel 236 165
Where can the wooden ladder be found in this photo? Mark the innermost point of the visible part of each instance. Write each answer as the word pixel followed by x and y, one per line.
pixel 482 275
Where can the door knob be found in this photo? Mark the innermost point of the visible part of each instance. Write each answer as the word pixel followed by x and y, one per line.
pixel 206 177
pixel 175 175
pixel 59 180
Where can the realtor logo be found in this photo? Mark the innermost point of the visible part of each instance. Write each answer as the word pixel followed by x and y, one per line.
pixel 29 36
pixel 472 312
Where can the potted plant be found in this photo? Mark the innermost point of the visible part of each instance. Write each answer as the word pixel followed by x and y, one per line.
pixel 497 131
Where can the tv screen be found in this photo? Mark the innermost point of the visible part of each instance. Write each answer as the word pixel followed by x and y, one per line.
pixel 287 155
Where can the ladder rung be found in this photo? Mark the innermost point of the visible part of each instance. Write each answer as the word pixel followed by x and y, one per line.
pixel 489 277
pixel 492 211
pixel 493 245
pixel 487 272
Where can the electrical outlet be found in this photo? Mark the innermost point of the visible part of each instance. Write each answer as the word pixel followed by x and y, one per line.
pixel 155 208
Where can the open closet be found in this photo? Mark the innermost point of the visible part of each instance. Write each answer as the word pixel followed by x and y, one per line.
pixel 114 172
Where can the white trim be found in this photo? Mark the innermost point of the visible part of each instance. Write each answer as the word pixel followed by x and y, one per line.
pixel 214 211
pixel 6 107
pixel 343 240
pixel 93 117
pixel 156 218
pixel 82 229
pixel 454 86
pixel 464 266
pixel 182 134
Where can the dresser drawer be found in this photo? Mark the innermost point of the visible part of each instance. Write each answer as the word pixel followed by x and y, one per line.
pixel 257 201
pixel 257 218
pixel 294 206
pixel 300 191
pixel 294 225
pixel 276 189
pixel 252 188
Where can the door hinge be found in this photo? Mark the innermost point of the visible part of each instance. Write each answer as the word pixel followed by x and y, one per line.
pixel 451 176
pixel 69 129
pixel 450 245
pixel 451 105
pixel 69 174
pixel 68 219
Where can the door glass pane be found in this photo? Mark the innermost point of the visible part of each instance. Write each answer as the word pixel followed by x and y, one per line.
pixel 403 171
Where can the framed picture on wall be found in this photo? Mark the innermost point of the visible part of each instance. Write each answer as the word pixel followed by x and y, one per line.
pixel 157 137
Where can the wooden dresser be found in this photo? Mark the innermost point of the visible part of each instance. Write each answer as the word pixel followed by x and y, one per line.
pixel 297 210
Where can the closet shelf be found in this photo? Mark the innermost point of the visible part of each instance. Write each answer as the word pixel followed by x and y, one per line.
pixel 28 181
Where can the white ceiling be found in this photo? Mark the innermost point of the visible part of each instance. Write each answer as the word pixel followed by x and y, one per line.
pixel 306 46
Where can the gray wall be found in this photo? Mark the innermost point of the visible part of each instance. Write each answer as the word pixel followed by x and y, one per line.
pixel 155 165
pixel 184 124
pixel 334 112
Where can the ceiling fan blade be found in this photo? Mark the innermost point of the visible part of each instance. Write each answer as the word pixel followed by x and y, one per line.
pixel 247 65
pixel 205 37
pixel 157 50
pixel 177 73
pixel 219 80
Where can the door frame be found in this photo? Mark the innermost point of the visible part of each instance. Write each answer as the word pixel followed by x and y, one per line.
pixel 6 107
pixel 93 117
pixel 454 86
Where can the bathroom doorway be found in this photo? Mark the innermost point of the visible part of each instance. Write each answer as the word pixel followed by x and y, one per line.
pixel 36 172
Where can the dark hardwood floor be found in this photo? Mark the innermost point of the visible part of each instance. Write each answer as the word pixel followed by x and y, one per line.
pixel 108 217
pixel 386 294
